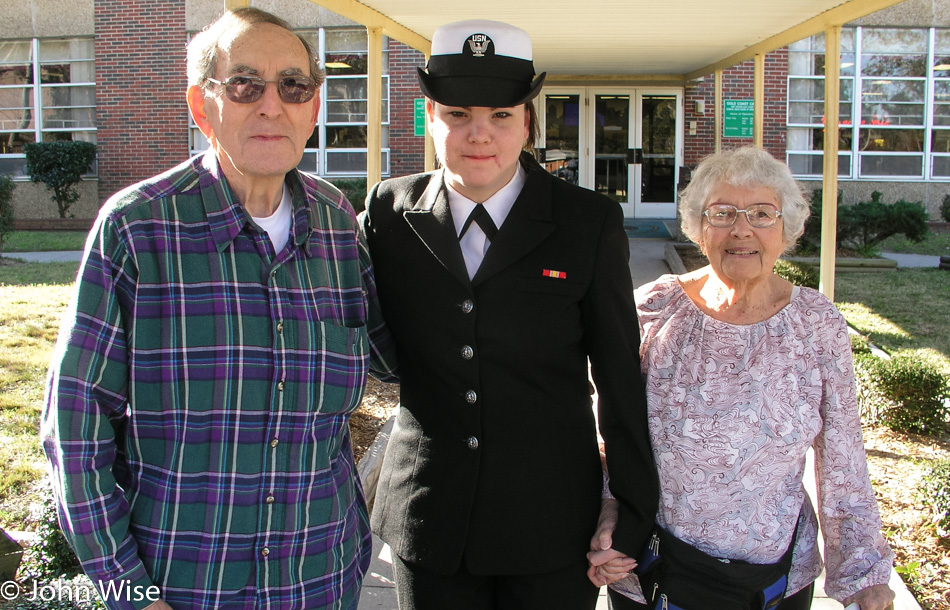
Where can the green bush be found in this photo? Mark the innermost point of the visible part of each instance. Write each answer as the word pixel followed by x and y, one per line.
pixel 935 493
pixel 866 224
pixel 945 208
pixel 904 394
pixel 859 344
pixel 6 208
pixel 50 556
pixel 797 273
pixel 354 189
pixel 60 166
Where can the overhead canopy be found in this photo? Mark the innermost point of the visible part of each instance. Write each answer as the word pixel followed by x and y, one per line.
pixel 666 39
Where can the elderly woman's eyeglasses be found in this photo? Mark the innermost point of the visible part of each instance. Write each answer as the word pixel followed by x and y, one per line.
pixel 247 89
pixel 759 215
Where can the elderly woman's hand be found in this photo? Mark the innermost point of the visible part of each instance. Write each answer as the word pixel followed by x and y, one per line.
pixel 607 565
pixel 878 597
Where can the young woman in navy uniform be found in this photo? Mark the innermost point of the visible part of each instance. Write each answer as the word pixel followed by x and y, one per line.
pixel 500 282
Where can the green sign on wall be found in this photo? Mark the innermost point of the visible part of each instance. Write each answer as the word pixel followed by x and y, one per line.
pixel 419 117
pixel 737 118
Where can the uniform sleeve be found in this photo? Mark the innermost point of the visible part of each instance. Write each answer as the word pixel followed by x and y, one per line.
pixel 86 404
pixel 856 554
pixel 613 339
pixel 383 363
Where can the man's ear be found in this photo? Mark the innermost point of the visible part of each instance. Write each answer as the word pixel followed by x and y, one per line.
pixel 196 104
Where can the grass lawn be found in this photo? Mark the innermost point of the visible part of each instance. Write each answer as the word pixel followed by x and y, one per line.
pixel 904 310
pixel 935 244
pixel 44 241
pixel 32 300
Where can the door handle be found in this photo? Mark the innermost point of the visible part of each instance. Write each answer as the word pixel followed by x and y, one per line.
pixel 634 156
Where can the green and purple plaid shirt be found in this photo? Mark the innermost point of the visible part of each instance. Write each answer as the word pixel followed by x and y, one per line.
pixel 198 401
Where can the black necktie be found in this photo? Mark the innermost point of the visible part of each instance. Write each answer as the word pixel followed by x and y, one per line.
pixel 481 216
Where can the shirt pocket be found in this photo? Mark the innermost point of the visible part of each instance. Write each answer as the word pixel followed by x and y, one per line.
pixel 340 367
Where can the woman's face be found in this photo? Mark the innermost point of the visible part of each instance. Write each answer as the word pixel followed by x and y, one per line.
pixel 742 253
pixel 479 147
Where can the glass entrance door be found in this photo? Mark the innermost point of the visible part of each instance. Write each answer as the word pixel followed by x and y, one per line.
pixel 624 143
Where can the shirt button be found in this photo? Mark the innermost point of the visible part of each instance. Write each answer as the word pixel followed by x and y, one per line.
pixel 467 306
pixel 471 397
pixel 265 551
pixel 467 352
pixel 472 443
pixel 270 499
pixel 274 443
pixel 280 386
pixel 280 327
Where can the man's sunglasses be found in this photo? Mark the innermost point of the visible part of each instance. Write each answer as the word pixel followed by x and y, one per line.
pixel 246 89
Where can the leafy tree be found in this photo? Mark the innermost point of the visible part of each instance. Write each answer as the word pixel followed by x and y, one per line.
pixel 60 166
pixel 6 208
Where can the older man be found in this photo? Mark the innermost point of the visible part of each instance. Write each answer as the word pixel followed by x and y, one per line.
pixel 223 325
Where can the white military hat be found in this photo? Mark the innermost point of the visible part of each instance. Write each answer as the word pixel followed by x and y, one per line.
pixel 480 63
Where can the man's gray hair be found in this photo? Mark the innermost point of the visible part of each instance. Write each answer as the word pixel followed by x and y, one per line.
pixel 203 48
pixel 747 167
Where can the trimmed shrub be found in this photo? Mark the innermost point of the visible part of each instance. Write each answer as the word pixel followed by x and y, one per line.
pixel 7 187
pixel 50 556
pixel 866 224
pixel 859 344
pixel 354 189
pixel 60 166
pixel 934 492
pixel 797 273
pixel 945 208
pixel 904 394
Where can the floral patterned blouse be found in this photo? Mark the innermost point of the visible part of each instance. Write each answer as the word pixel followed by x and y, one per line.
pixel 733 409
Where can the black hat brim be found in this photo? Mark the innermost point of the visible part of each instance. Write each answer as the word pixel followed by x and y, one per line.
pixel 484 91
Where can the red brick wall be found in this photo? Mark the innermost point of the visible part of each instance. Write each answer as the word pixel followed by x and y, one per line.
pixel 407 151
pixel 737 83
pixel 141 113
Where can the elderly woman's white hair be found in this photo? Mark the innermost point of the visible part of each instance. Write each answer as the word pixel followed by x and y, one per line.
pixel 747 167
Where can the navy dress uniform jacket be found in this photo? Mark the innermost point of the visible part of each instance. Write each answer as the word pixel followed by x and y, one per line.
pixel 494 459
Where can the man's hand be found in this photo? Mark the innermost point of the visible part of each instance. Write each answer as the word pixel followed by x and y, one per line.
pixel 607 565
pixel 878 597
pixel 158 605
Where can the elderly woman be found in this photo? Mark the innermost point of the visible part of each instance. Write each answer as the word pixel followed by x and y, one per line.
pixel 745 372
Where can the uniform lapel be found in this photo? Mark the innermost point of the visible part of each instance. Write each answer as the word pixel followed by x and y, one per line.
pixel 431 220
pixel 528 224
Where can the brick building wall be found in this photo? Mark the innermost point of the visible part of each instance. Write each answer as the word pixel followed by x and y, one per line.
pixel 738 83
pixel 141 113
pixel 407 151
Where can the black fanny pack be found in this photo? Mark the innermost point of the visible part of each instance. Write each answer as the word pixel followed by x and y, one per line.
pixel 675 575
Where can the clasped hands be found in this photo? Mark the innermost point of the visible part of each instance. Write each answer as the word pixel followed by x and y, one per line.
pixel 606 565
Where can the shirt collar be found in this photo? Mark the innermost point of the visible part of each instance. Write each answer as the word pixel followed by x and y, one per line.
pixel 227 217
pixel 497 206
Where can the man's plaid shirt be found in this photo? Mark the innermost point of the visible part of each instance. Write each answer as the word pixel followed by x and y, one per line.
pixel 198 401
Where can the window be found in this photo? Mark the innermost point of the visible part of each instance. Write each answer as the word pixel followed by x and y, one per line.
pixel 59 105
pixel 346 103
pixel 338 144
pixel 894 115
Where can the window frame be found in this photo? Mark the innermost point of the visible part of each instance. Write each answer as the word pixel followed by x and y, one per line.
pixel 37 126
pixel 859 160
